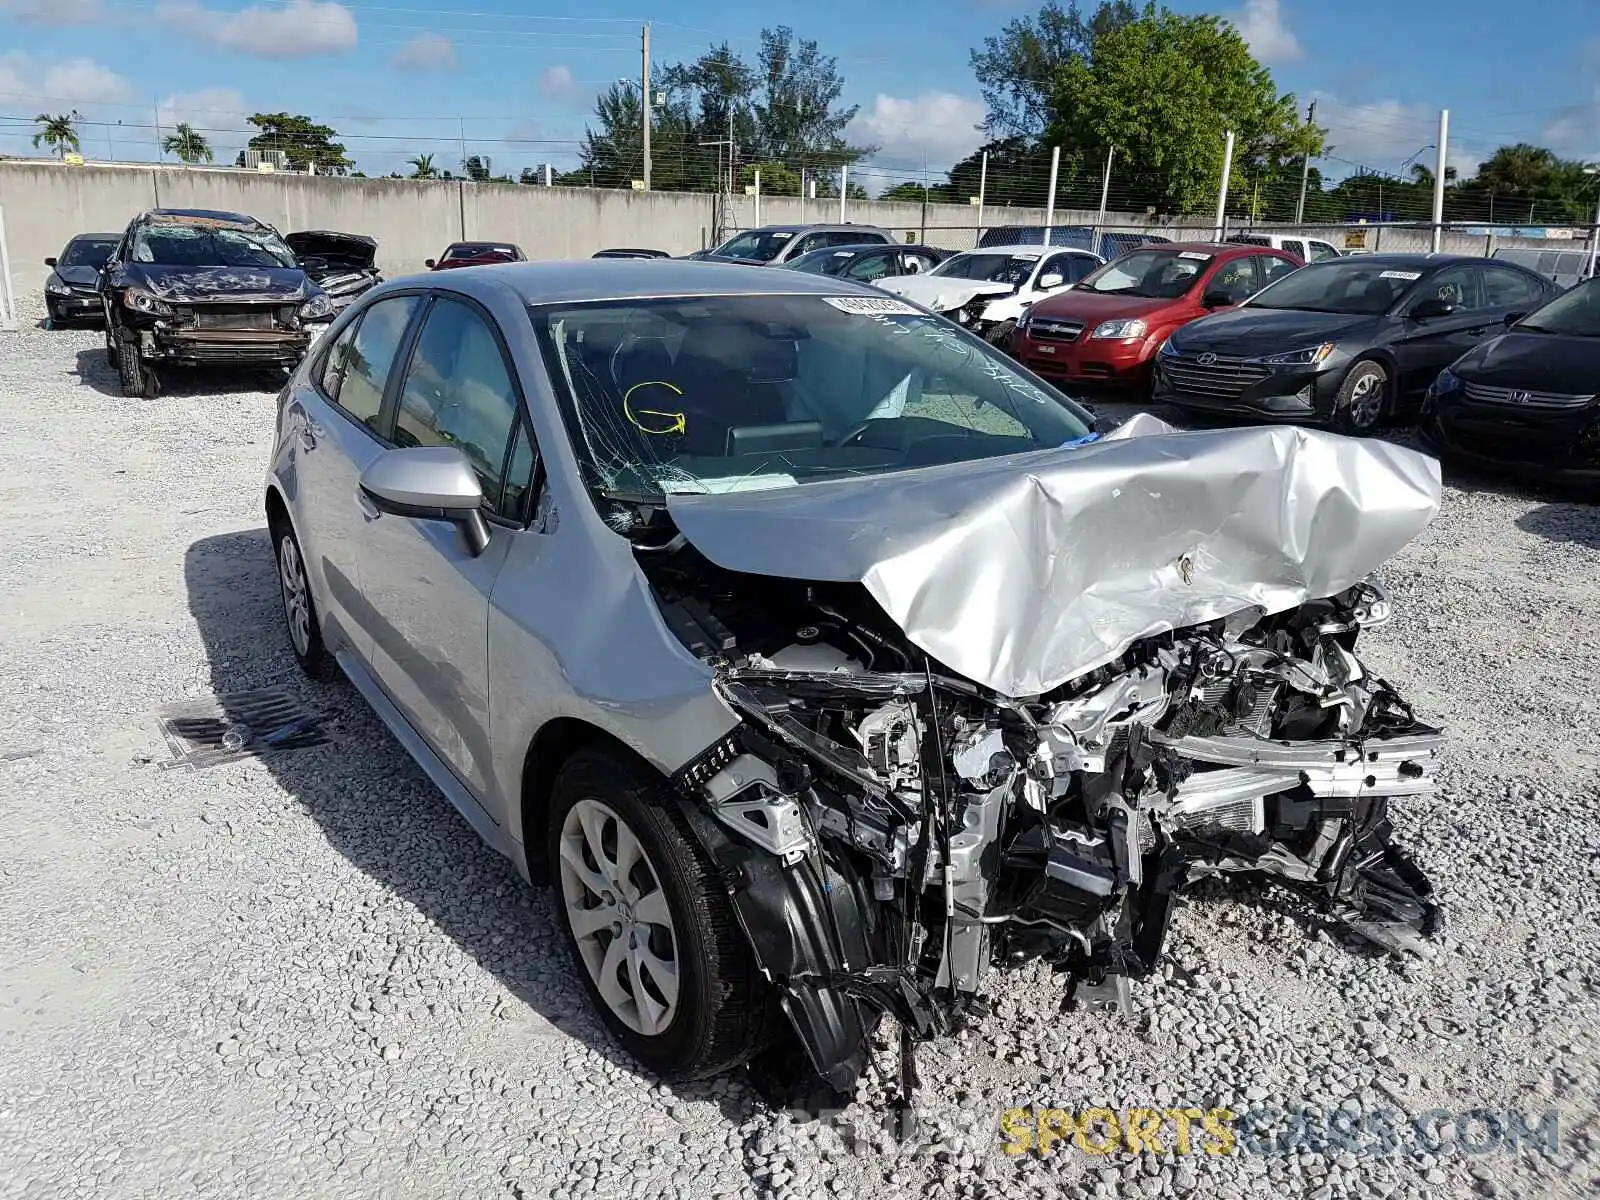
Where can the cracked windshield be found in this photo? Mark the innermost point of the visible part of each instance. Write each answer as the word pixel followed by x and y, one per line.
pixel 732 393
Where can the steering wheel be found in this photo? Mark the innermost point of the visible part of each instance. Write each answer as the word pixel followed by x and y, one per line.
pixel 856 431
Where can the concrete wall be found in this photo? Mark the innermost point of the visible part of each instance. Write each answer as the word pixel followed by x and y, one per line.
pixel 46 203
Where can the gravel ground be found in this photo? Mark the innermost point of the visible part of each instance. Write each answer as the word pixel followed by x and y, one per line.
pixel 306 977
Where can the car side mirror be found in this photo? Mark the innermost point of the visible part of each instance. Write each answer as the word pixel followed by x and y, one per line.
pixel 1217 299
pixel 1431 307
pixel 1513 317
pixel 431 483
pixel 49 262
pixel 1046 282
pixel 429 263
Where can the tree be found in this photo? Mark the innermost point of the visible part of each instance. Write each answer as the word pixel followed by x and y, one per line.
pixel 1163 89
pixel 188 145
pixel 937 193
pixel 784 110
pixel 475 168
pixel 1017 70
pixel 776 178
pixel 422 167
pixel 302 140
pixel 58 132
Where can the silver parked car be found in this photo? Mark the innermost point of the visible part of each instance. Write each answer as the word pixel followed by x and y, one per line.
pixel 823 658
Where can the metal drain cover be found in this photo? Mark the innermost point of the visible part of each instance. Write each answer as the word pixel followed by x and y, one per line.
pixel 224 729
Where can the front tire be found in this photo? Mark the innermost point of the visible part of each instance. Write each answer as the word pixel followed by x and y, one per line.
pixel 1000 335
pixel 137 377
pixel 299 607
pixel 1363 400
pixel 648 924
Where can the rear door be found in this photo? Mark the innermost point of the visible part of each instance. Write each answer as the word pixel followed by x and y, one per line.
pixel 335 431
pixel 429 594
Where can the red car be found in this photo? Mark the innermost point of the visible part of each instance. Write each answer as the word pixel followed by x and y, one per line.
pixel 475 254
pixel 1107 328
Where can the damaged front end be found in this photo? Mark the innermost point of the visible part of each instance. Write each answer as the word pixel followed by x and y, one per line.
pixel 890 831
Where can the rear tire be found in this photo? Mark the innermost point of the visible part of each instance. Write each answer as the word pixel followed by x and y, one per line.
pixel 664 963
pixel 1363 402
pixel 299 606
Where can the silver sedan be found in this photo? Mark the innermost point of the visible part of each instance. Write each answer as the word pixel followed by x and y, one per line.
pixel 822 658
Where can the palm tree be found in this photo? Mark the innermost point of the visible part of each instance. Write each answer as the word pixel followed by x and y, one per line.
pixel 422 167
pixel 57 132
pixel 188 145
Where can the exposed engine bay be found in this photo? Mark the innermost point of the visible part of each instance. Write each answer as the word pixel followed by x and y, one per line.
pixel 891 831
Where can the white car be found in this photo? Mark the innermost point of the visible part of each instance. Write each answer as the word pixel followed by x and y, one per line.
pixel 1307 250
pixel 988 290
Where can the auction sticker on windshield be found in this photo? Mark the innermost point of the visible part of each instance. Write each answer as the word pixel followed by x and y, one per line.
pixel 1408 276
pixel 871 306
pixel 1194 254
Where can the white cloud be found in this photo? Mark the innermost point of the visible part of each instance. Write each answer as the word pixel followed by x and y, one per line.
pixel 1262 25
pixel 210 108
pixel 53 12
pixel 298 29
pixel 1382 136
pixel 26 82
pixel 939 126
pixel 426 52
pixel 84 81
pixel 556 83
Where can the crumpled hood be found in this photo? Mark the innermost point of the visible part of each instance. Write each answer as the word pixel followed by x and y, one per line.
pixel 222 284
pixel 1023 573
pixel 343 251
pixel 940 294
pixel 83 277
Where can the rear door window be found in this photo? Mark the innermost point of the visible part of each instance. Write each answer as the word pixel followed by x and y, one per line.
pixel 1505 288
pixel 1273 267
pixel 1320 251
pixel 1235 279
pixel 364 369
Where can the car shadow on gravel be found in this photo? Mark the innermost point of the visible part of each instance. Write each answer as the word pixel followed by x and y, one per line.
pixel 1577 523
pixel 378 810
pixel 94 370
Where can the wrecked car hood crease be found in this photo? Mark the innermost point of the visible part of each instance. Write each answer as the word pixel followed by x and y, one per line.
pixel 1024 572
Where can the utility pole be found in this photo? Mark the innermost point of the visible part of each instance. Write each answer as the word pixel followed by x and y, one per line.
pixel 1305 168
pixel 644 107
pixel 1438 181
pixel 1222 193
pixel 844 187
pixel 922 229
pixel 155 107
pixel 1105 197
pixel 1594 234
pixel 1050 200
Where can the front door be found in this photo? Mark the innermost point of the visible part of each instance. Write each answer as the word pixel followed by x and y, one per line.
pixel 428 592
pixel 1430 345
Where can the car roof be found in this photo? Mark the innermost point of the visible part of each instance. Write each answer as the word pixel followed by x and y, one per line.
pixel 1423 260
pixel 94 237
pixel 1036 248
pixel 568 281
pixel 184 216
pixel 823 228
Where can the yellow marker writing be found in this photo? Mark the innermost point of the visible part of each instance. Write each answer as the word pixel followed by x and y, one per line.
pixel 676 422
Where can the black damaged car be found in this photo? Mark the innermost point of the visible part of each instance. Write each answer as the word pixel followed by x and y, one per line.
pixel 72 291
pixel 193 287
pixel 1528 401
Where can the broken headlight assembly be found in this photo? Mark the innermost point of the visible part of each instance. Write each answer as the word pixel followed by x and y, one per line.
pixel 141 301
pixel 890 832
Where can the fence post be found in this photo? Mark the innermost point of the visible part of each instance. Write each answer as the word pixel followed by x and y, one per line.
pixel 1105 195
pixel 1050 200
pixel 758 199
pixel 1222 193
pixel 983 181
pixel 8 297
pixel 844 187
pixel 1438 181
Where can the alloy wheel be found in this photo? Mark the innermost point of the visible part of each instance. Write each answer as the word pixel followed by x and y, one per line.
pixel 1366 400
pixel 296 604
pixel 620 917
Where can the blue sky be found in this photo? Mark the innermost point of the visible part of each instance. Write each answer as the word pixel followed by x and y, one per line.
pixel 517 81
